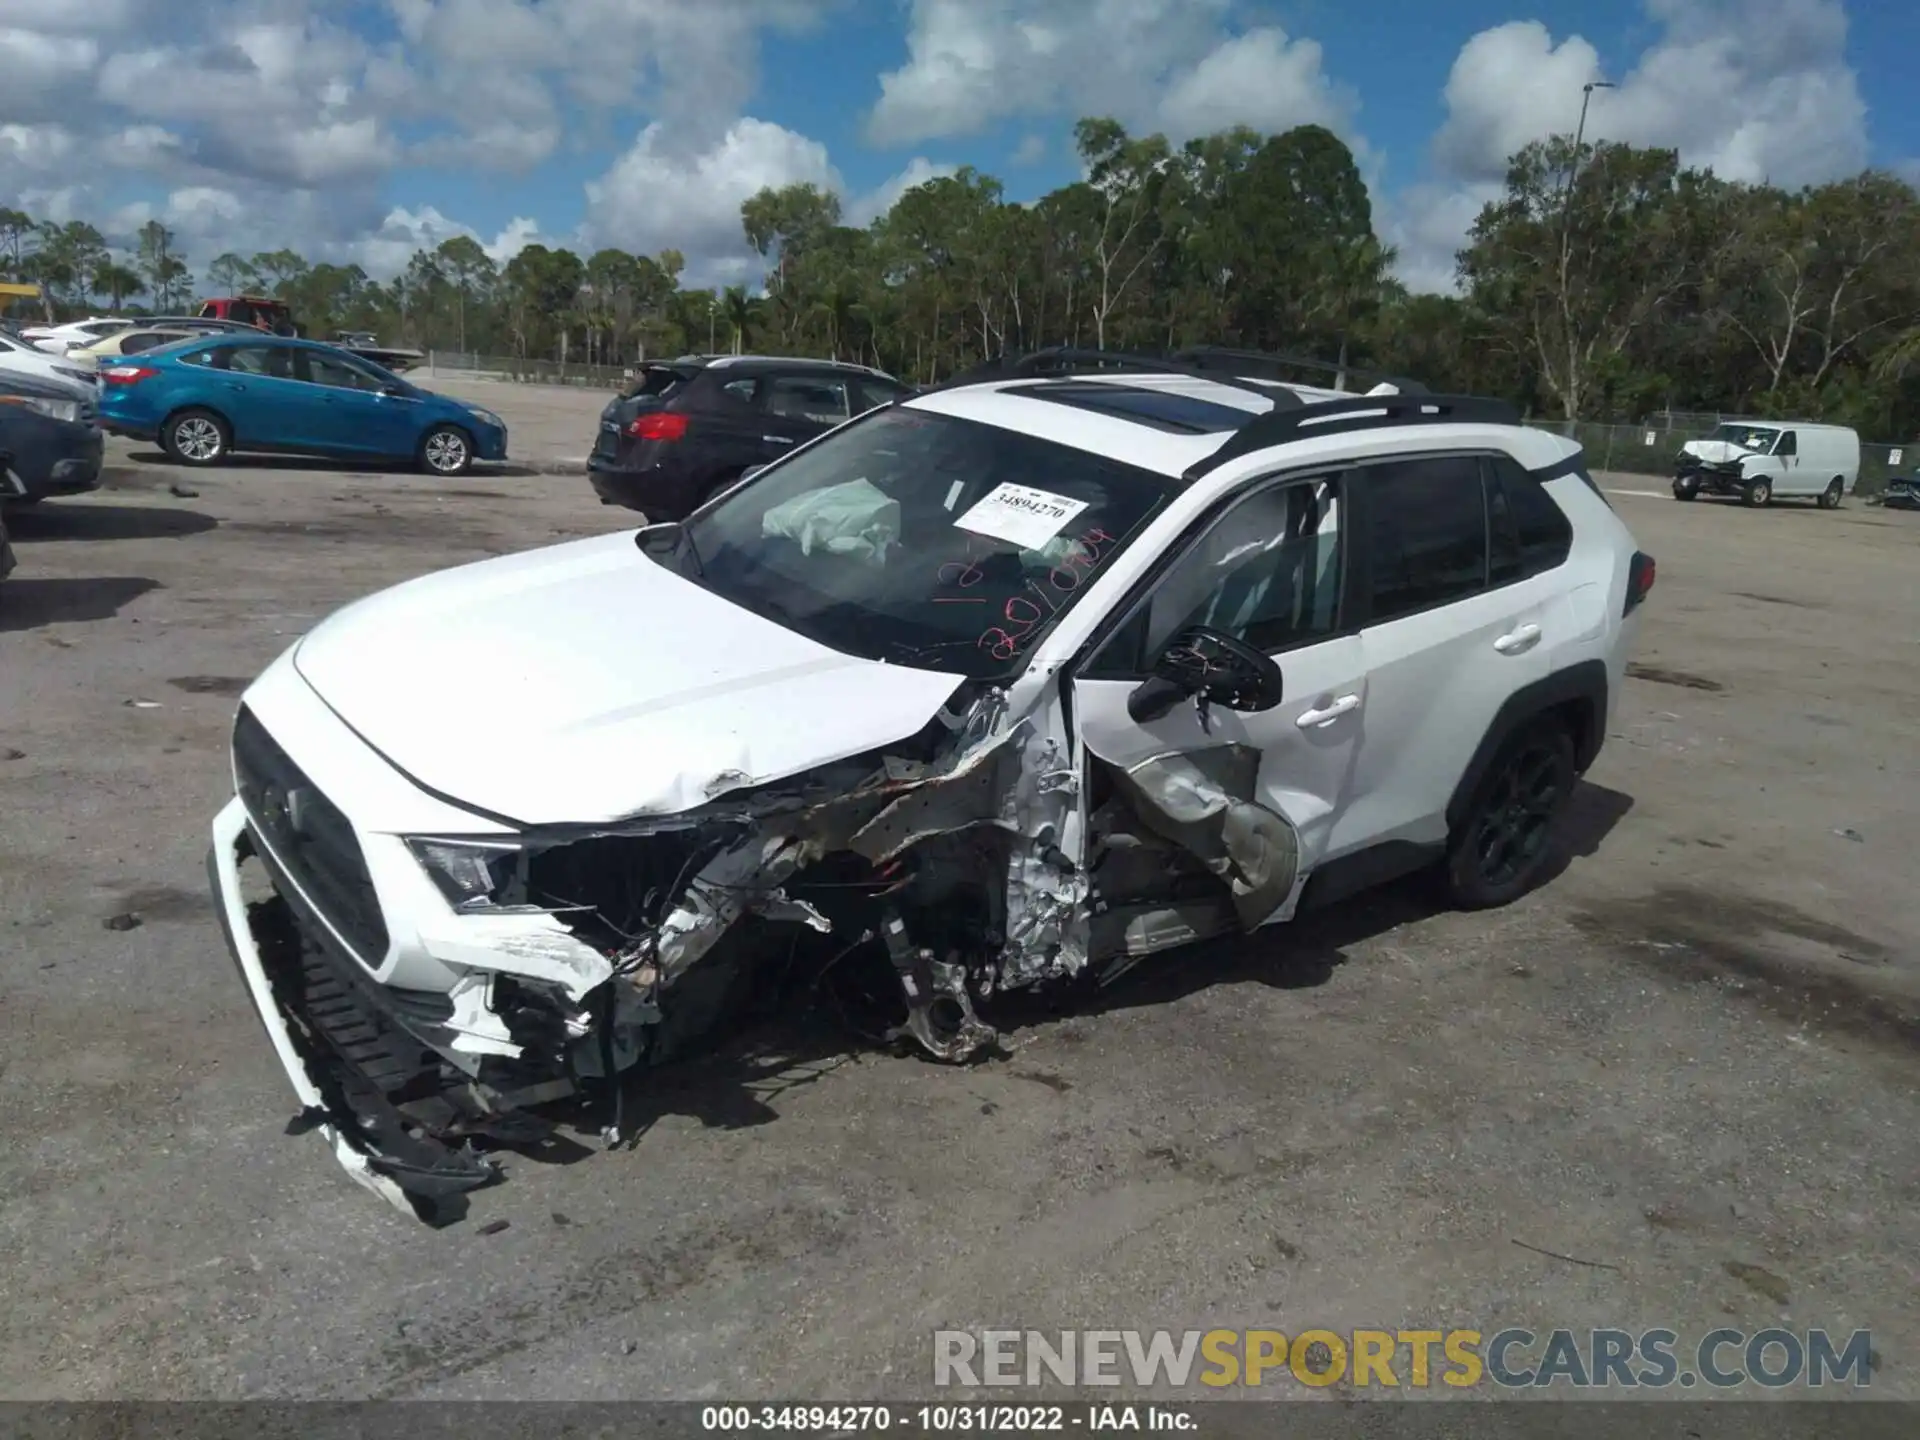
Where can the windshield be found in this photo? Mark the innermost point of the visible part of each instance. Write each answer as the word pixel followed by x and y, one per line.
pixel 925 540
pixel 1757 438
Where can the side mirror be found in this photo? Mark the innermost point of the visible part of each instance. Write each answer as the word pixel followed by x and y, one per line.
pixel 1212 667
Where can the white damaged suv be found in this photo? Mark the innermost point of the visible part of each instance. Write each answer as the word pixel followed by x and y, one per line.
pixel 1014 682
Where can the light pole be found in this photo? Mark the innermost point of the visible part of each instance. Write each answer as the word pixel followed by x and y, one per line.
pixel 1580 132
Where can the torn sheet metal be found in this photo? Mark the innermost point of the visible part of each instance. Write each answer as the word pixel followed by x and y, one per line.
pixel 1200 801
pixel 480 1030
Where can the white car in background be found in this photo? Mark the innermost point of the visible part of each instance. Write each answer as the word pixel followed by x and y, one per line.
pixel 75 335
pixel 20 358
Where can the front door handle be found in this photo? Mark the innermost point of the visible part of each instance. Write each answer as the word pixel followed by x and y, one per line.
pixel 777 439
pixel 1310 719
pixel 235 385
pixel 1516 642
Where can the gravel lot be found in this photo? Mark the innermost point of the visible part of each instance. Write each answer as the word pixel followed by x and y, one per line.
pixel 1690 1059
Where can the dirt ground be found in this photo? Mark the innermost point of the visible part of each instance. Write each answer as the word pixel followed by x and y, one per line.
pixel 1688 1064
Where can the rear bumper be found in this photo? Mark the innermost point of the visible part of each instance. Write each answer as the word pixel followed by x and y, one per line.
pixel 659 492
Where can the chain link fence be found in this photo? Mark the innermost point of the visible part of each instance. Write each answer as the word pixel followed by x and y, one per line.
pixel 1652 448
pixel 523 371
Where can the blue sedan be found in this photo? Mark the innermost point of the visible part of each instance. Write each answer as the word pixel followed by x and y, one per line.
pixel 205 399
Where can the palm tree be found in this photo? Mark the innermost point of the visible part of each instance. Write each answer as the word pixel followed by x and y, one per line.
pixel 743 314
pixel 115 280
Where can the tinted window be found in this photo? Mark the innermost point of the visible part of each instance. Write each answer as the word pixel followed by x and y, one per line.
pixel 874 393
pixel 1427 534
pixel 1789 444
pixel 1267 572
pixel 134 344
pixel 1529 531
pixel 275 361
pixel 746 390
pixel 823 401
pixel 336 373
pixel 241 311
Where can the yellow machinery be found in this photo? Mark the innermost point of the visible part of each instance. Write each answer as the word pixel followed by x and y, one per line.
pixel 10 291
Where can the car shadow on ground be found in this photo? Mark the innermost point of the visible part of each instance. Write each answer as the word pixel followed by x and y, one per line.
pixel 87 519
pixel 339 465
pixel 739 1082
pixel 27 602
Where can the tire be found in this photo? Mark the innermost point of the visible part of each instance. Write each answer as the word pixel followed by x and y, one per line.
pixel 1830 497
pixel 1758 493
pixel 1505 843
pixel 196 437
pixel 1686 489
pixel 446 450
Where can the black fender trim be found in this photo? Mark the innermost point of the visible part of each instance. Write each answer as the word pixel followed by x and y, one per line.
pixel 1583 684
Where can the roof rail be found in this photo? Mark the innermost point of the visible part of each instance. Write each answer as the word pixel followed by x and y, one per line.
pixel 1063 360
pixel 1363 412
pixel 1206 356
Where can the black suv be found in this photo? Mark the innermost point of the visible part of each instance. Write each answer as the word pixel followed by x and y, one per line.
pixel 687 428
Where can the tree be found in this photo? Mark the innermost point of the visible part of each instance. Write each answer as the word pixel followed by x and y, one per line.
pixel 1126 175
pixel 466 267
pixel 276 269
pixel 232 275
pixel 166 274
pixel 1582 253
pixel 18 235
pixel 115 280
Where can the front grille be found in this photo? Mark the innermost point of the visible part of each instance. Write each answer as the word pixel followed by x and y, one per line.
pixel 312 839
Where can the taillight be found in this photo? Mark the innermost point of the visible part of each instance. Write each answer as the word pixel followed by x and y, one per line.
pixel 127 374
pixel 1640 573
pixel 660 425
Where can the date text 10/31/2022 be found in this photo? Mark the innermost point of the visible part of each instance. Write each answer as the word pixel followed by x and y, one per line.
pixel 946 1418
pixel 1034 603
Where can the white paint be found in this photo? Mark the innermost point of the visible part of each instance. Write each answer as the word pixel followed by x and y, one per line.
pixel 587 682
pixel 1021 515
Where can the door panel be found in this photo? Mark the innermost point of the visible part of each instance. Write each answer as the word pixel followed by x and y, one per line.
pixel 347 412
pixel 1254 795
pixel 267 405
pixel 1447 650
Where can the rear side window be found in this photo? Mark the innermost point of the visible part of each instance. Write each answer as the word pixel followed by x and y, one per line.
pixel 134 344
pixel 874 393
pixel 655 382
pixel 1529 532
pixel 1426 534
pixel 802 397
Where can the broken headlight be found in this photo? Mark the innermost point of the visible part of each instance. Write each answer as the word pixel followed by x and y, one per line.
pixel 472 874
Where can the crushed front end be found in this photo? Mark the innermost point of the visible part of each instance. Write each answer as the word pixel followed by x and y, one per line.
pixel 431 991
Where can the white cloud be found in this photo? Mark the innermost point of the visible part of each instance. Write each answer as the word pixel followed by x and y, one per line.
pixel 1170 65
pixel 1031 150
pixel 1758 90
pixel 658 196
pixel 864 209
pixel 388 249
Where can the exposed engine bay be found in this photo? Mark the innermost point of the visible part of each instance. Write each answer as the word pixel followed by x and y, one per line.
pixel 902 892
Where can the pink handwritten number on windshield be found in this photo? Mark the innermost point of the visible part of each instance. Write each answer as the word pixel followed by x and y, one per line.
pixel 1027 611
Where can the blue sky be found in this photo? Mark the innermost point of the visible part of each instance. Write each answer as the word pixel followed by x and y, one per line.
pixel 358 129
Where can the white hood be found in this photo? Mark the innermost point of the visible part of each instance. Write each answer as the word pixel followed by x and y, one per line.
pixel 585 682
pixel 1716 452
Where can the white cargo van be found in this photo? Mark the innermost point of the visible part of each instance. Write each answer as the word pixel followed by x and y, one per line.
pixel 1766 460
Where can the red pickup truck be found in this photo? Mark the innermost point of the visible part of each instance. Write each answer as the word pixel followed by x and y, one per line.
pixel 272 316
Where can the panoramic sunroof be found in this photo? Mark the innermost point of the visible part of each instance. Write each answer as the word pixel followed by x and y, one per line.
pixel 1162 409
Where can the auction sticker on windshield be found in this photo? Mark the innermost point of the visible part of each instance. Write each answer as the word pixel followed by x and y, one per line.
pixel 1021 515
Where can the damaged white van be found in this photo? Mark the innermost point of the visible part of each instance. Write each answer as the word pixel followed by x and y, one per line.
pixel 1766 460
pixel 1013 683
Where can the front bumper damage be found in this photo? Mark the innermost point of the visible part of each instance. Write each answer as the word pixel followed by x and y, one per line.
pixel 942 863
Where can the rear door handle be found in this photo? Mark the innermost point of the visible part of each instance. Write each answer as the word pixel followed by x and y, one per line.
pixel 778 439
pixel 235 385
pixel 1309 719
pixel 1516 642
